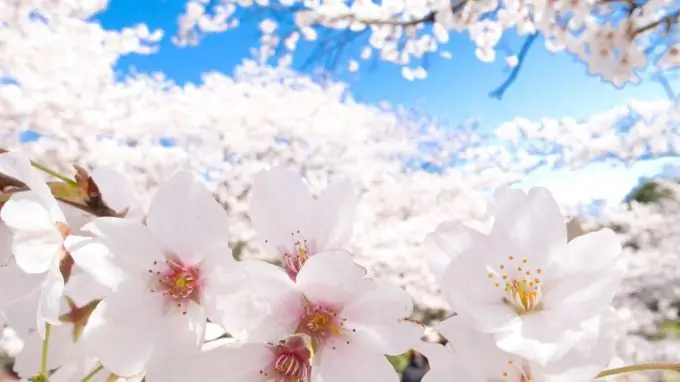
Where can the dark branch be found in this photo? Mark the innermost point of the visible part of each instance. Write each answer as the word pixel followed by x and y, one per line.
pixel 500 91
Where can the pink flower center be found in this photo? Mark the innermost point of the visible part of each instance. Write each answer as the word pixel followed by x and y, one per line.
pixel 292 361
pixel 295 259
pixel 178 282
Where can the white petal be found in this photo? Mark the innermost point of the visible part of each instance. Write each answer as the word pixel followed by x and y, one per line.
pixel 15 284
pixel 118 192
pixel 22 315
pixel 5 244
pixel 83 288
pixel 240 362
pixel 585 360
pixel 332 278
pixel 539 337
pixel 360 360
pixel 532 228
pixel 472 293
pixel 333 216
pixel 592 252
pixel 258 302
pixel 280 205
pixel 476 351
pixel 380 314
pixel 94 257
pixel 447 242
pixel 443 364
pixel 188 219
pixel 124 328
pixel 17 165
pixel 36 240
pixel 49 305
pixel 132 243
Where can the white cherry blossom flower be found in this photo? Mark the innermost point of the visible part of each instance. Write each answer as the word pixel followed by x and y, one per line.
pixel 471 355
pixel 294 225
pixel 525 283
pixel 352 321
pixel 168 273
pixel 38 230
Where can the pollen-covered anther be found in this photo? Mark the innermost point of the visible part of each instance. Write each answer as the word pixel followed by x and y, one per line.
pixel 178 282
pixel 320 322
pixel 293 259
pixel 291 361
pixel 521 285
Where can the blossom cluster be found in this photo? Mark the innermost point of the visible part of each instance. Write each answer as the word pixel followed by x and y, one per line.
pixel 99 287
pixel 616 40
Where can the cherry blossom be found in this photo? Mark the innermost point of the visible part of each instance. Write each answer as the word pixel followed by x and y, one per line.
pixel 172 269
pixel 525 284
pixel 350 320
pixel 293 224
pixel 473 355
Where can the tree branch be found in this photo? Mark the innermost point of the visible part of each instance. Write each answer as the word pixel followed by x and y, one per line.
pixel 500 91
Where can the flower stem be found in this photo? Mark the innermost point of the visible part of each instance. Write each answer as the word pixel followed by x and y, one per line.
pixel 641 367
pixel 54 173
pixel 45 347
pixel 93 373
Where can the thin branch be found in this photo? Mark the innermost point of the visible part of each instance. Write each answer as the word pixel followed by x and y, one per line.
pixel 500 91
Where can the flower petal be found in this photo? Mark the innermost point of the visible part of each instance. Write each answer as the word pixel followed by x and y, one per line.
pixel 118 192
pixel 131 243
pixel 531 227
pixel 15 284
pixel 258 302
pixel 242 362
pixel 188 220
pixel 5 244
pixel 447 242
pixel 355 360
pixel 123 329
pixel 49 305
pixel 333 216
pixel 443 363
pixel 17 165
pixel 470 292
pixel 280 205
pixel 36 239
pixel 94 257
pixel 381 314
pixel 332 278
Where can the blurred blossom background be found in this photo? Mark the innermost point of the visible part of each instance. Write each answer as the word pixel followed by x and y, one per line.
pixel 425 105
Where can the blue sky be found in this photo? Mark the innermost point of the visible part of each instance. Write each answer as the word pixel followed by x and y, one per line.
pixel 549 85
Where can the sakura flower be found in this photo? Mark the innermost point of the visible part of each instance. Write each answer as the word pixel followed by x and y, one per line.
pixel 472 355
pixel 38 230
pixel 526 283
pixel 81 296
pixel 292 224
pixel 168 273
pixel 351 321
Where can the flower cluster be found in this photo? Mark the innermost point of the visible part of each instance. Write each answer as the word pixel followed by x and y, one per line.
pixel 100 288
pixel 615 40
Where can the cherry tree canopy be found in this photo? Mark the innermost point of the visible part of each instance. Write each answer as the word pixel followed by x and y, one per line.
pixel 615 39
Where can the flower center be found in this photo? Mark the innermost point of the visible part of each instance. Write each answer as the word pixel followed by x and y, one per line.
pixel 521 285
pixel 291 366
pixel 178 282
pixel 291 361
pixel 295 259
pixel 320 322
